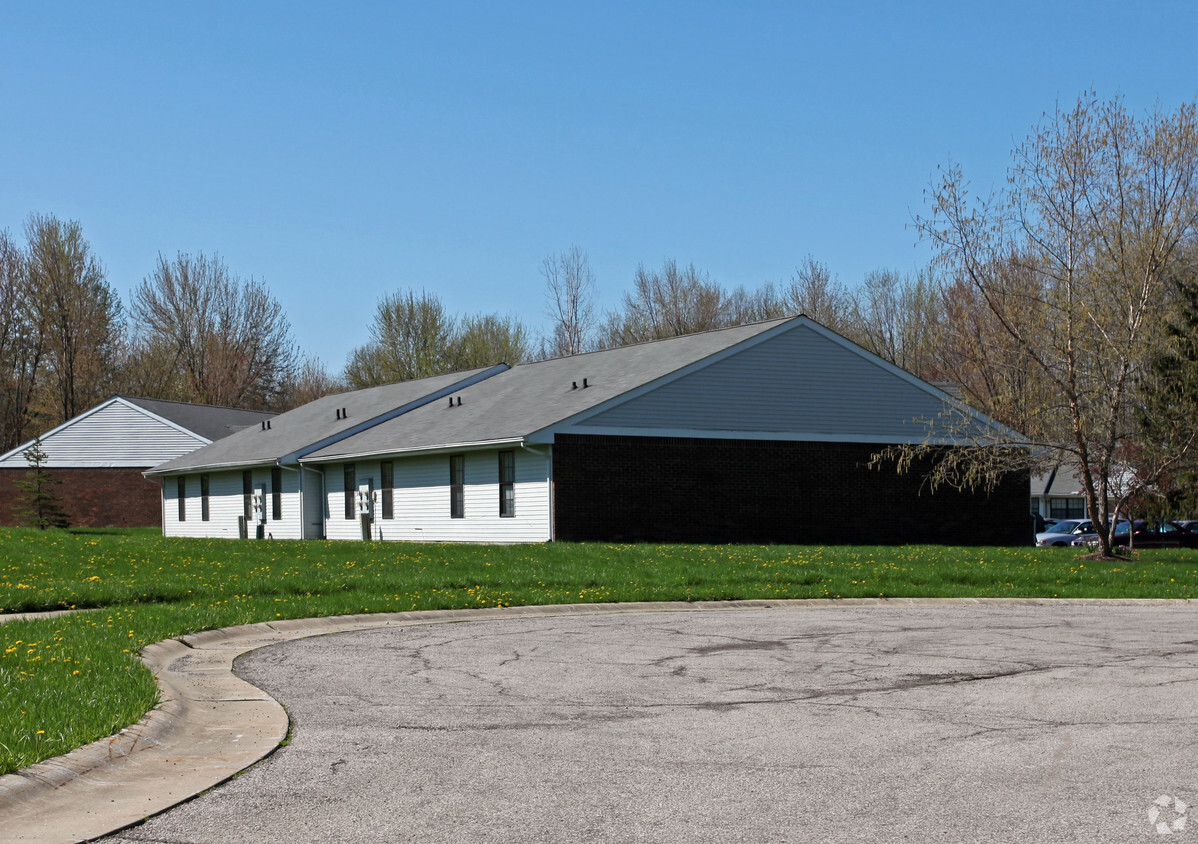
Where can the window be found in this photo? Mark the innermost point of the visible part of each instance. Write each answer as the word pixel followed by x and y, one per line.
pixel 387 470
pixel 457 486
pixel 247 495
pixel 1066 508
pixel 203 498
pixel 276 493
pixel 182 485
pixel 507 484
pixel 350 490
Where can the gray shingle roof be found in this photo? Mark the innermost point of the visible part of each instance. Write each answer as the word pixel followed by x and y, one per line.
pixel 304 427
pixel 209 421
pixel 533 396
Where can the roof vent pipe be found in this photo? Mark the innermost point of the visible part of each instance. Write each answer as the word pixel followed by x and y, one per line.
pixel 451 401
pixel 573 385
pixel 585 384
pixel 344 413
pixel 263 424
pixel 459 401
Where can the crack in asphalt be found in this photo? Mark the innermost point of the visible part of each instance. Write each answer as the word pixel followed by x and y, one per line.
pixel 598 712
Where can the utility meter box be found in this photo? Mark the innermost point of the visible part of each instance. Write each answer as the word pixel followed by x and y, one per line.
pixel 366 507
pixel 366 498
pixel 258 510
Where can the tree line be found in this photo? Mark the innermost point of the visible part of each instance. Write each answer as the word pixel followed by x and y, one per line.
pixel 195 331
pixel 1063 303
pixel 413 335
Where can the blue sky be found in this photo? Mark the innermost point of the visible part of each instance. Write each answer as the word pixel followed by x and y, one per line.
pixel 342 152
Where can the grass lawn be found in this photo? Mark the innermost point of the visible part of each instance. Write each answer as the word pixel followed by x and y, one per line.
pixel 73 679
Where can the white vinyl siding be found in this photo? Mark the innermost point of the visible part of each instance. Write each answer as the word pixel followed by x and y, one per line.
pixel 225 506
pixel 422 500
pixel 114 435
pixel 799 383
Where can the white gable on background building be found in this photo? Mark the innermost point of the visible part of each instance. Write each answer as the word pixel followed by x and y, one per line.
pixel 127 432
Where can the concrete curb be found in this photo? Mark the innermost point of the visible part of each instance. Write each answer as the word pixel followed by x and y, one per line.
pixel 210 724
pixel 37 616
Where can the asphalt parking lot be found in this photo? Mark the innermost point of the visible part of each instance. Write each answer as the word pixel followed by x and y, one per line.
pixel 1034 722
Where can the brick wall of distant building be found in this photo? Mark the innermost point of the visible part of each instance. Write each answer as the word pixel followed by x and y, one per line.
pixel 658 489
pixel 92 497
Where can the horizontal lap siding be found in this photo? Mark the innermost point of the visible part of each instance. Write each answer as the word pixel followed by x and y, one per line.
pixel 422 500
pixel 665 489
pixel 336 525
pixel 116 435
pixel 225 506
pixel 799 381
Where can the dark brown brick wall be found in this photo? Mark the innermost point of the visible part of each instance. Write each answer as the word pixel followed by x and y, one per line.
pixel 93 497
pixel 649 489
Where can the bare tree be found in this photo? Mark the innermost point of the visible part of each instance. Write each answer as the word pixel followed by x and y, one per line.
pixel 570 293
pixel 149 368
pixel 228 339
pixel 744 305
pixel 20 345
pixel 1073 263
pixel 670 302
pixel 814 292
pixel 413 337
pixel 898 318
pixel 310 382
pixel 486 339
pixel 990 368
pixel 410 338
pixel 76 315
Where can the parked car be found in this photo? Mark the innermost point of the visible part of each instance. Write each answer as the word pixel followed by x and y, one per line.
pixel 1148 535
pixel 1064 532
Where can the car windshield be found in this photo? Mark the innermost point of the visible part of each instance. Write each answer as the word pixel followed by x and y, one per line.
pixel 1063 527
pixel 1121 528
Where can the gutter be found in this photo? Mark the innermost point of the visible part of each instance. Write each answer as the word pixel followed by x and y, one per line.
pixel 207 467
pixel 424 449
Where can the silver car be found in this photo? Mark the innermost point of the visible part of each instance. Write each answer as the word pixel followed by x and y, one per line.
pixel 1065 531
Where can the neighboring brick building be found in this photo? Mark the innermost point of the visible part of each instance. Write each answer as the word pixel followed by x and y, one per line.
pixel 100 455
pixel 758 433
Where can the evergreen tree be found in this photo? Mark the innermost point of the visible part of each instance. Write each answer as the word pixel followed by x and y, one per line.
pixel 1168 411
pixel 42 508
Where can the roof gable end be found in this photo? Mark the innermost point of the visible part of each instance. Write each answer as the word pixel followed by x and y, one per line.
pixel 797 381
pixel 114 433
